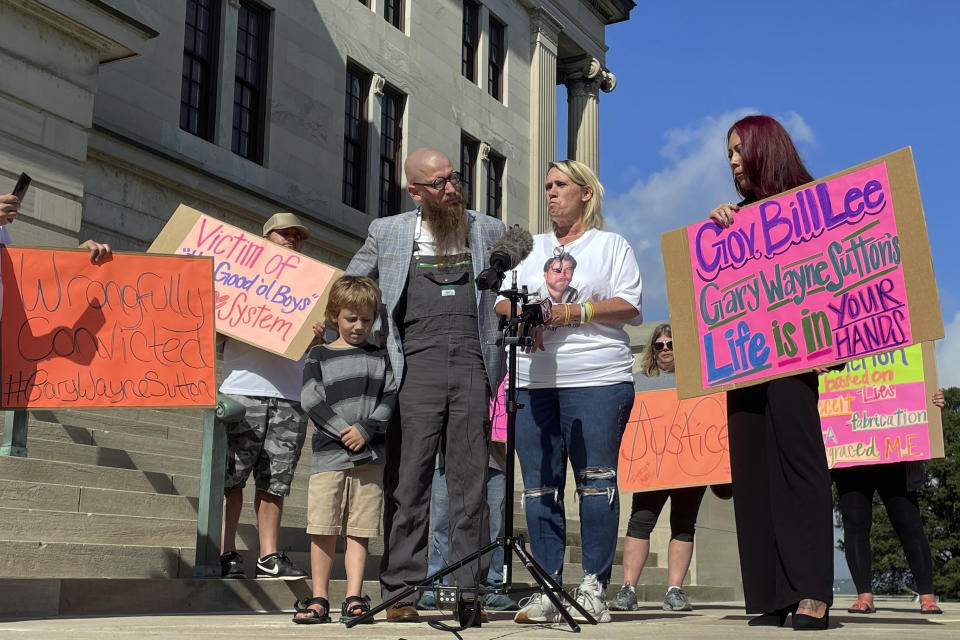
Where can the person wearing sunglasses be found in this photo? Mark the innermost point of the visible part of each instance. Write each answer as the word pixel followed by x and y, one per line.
pixel 657 372
pixel 576 386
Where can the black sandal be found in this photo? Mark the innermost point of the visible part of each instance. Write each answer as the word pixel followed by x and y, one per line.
pixel 303 606
pixel 354 607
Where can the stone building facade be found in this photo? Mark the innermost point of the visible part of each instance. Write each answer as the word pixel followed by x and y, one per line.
pixel 478 79
pixel 121 110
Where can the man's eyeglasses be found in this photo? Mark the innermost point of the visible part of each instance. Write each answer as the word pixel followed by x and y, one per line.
pixel 660 346
pixel 441 183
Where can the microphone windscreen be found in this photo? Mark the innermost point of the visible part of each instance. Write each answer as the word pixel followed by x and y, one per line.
pixel 516 242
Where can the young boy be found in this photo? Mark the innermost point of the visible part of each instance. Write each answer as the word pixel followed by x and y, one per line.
pixel 349 394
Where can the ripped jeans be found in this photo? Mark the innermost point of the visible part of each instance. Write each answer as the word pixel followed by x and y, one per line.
pixel 586 425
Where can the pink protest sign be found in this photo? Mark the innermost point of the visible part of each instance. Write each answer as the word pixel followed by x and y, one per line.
pixel 498 414
pixel 266 295
pixel 876 411
pixel 799 281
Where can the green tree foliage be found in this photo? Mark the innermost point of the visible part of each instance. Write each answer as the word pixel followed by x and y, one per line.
pixel 940 507
pixel 940 504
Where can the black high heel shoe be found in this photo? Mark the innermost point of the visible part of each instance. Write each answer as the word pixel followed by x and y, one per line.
pixel 803 622
pixel 773 619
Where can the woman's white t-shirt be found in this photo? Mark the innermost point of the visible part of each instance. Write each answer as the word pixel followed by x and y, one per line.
pixel 594 354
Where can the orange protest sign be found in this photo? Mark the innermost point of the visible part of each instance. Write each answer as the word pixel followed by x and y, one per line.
pixel 266 295
pixel 132 331
pixel 670 443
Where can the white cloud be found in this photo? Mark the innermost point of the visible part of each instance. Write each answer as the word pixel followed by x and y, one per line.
pixel 948 354
pixel 695 178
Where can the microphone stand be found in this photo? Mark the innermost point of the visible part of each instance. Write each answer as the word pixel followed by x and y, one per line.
pixel 511 542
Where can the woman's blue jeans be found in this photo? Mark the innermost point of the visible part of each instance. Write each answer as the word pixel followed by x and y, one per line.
pixel 584 424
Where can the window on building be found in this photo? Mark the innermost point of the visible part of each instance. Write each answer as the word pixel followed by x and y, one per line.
pixel 365 3
pixel 393 12
pixel 249 106
pixel 498 53
pixel 471 39
pixel 355 138
pixel 495 165
pixel 198 91
pixel 469 149
pixel 391 138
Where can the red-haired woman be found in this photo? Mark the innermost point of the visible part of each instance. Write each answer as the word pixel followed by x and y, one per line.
pixel 781 484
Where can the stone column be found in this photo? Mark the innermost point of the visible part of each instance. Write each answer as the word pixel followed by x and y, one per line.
pixel 227 75
pixel 583 118
pixel 50 57
pixel 544 34
pixel 375 114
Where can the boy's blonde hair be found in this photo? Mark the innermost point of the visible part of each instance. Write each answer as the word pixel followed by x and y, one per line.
pixel 357 293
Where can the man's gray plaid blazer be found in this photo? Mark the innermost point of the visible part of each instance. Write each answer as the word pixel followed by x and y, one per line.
pixel 385 257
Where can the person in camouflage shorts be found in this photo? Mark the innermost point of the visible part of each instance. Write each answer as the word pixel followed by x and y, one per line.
pixel 268 439
pixel 274 426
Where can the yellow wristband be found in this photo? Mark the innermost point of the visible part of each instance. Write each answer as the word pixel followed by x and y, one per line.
pixel 586 312
pixel 566 314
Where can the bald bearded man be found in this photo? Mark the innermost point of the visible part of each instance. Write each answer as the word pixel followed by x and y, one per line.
pixel 441 337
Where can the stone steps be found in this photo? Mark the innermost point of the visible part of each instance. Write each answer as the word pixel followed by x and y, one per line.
pixel 190 419
pixel 112 439
pixel 97 528
pixel 143 428
pixel 102 516
pixel 54 497
pixel 573 572
pixel 122 478
pixel 85 475
pixel 140 596
pixel 96 596
pixel 39 559
pixel 109 457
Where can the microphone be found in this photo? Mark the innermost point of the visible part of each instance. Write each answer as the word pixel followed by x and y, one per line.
pixel 506 253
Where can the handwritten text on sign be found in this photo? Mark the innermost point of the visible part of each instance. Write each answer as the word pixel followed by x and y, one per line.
pixel 266 295
pixel 801 280
pixel 672 443
pixel 263 294
pixel 875 410
pixel 134 331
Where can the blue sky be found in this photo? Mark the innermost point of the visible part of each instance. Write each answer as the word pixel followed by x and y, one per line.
pixel 851 81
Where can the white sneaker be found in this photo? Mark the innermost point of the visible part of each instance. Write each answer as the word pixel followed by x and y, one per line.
pixel 537 609
pixel 589 596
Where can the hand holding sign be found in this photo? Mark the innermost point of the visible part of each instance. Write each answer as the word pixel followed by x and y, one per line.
pixel 671 443
pixel 266 295
pixel 830 271
pixel 136 331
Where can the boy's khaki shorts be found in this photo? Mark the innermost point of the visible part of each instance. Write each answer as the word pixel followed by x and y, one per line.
pixel 346 503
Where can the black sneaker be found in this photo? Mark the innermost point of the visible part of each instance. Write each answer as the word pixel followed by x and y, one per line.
pixel 279 566
pixel 231 565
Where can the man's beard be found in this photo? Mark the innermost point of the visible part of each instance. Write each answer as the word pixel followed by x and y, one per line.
pixel 448 224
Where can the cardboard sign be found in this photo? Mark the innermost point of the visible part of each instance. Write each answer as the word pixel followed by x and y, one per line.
pixel 133 331
pixel 879 410
pixel 266 295
pixel 829 272
pixel 670 443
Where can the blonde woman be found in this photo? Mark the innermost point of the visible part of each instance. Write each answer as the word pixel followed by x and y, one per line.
pixel 576 386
